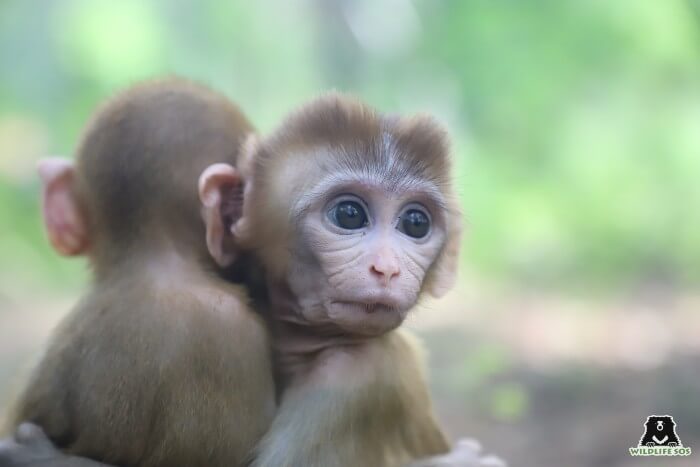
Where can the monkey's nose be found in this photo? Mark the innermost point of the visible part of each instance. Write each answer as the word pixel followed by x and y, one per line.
pixel 385 271
pixel 384 264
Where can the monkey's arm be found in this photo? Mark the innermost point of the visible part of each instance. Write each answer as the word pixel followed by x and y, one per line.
pixel 29 447
pixel 359 405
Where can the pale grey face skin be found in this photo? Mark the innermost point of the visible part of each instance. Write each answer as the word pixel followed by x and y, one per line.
pixel 363 279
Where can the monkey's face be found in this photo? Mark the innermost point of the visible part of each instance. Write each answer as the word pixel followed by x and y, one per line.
pixel 352 212
pixel 362 251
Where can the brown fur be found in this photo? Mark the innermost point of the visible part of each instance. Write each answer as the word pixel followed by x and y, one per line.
pixel 162 363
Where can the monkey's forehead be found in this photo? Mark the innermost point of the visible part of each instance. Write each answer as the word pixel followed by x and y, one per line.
pixel 327 168
pixel 385 159
pixel 345 123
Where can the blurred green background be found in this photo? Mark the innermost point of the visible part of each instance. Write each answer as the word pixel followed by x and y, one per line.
pixel 576 131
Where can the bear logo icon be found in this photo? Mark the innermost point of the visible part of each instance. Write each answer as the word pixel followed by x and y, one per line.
pixel 660 430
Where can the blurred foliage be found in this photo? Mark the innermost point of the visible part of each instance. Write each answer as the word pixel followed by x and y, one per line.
pixel 576 124
pixel 509 401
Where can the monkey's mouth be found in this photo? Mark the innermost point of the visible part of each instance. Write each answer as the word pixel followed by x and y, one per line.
pixel 365 307
pixel 366 317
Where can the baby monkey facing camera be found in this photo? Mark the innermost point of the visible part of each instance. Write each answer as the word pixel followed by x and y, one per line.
pixel 353 216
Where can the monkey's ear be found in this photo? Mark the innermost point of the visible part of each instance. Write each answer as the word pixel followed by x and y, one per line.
pixel 221 194
pixel 65 223
pixel 445 274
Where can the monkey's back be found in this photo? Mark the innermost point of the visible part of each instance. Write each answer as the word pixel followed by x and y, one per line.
pixel 161 363
pixel 150 376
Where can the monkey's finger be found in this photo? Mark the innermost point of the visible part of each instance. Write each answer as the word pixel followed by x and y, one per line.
pixel 468 444
pixel 32 436
pixel 28 432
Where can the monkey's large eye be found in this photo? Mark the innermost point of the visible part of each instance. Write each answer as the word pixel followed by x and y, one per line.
pixel 348 215
pixel 414 223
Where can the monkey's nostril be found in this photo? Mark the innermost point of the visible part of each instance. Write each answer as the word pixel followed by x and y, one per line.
pixel 384 274
pixel 388 271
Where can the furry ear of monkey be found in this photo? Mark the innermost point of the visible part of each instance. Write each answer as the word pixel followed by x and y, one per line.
pixel 444 275
pixel 63 216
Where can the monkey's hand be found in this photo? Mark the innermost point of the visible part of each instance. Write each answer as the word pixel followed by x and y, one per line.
pixel 29 447
pixel 466 453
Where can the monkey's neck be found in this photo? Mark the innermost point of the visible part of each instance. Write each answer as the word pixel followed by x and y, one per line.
pixel 165 267
pixel 300 348
pixel 298 344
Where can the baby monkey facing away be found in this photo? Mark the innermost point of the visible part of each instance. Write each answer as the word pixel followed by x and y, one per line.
pixel 162 363
pixel 353 216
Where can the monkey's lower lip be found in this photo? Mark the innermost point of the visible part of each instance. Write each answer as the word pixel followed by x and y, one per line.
pixel 373 307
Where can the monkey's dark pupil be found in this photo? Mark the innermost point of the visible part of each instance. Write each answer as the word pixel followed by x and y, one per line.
pixel 349 215
pixel 415 223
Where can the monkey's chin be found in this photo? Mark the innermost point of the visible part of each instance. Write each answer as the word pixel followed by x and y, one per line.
pixel 366 319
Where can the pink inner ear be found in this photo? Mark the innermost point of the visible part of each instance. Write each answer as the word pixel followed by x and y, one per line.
pixel 64 223
pixel 220 191
pixel 231 204
pixel 221 188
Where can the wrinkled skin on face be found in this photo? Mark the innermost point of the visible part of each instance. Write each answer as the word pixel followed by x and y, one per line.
pixel 366 273
pixel 353 213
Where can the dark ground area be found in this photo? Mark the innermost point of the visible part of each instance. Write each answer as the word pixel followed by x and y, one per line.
pixel 576 415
